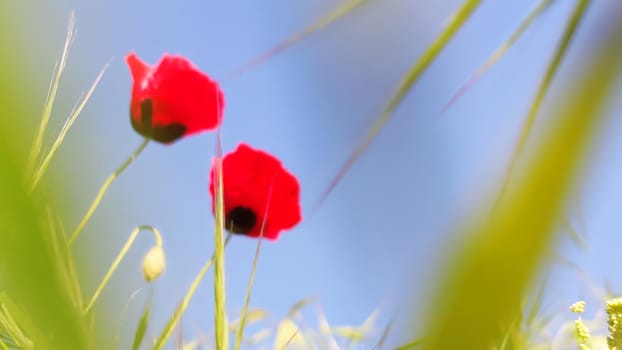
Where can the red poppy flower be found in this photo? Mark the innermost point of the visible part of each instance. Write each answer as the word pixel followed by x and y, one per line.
pixel 172 99
pixel 257 190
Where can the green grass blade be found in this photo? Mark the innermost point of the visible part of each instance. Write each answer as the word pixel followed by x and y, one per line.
pixel 411 345
pixel 220 315
pixel 488 276
pixel 49 103
pixel 142 328
pixel 61 136
pixel 104 188
pixel 63 256
pixel 560 52
pixel 383 338
pixel 499 52
pixel 342 10
pixel 251 279
pixel 415 72
pixel 247 298
pixel 119 258
pixel 10 328
pixel 176 317
pixel 123 315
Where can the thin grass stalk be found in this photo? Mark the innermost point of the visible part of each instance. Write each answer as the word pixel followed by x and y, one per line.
pixel 13 330
pixel 49 103
pixel 499 52
pixel 220 315
pixel 10 323
pixel 251 279
pixel 63 256
pixel 124 312
pixel 240 331
pixel 104 188
pixel 333 16
pixel 120 256
pixel 176 317
pixel 545 84
pixel 404 86
pixel 61 136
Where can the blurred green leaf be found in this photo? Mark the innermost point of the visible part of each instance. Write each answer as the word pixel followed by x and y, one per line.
pixel 487 278
pixel 32 275
pixel 30 272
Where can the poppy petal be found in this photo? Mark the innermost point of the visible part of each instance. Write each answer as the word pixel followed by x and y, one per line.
pixel 258 191
pixel 184 100
pixel 138 68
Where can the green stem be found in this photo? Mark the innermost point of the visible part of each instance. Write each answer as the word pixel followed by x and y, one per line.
pixel 221 328
pixel 104 188
pixel 117 261
pixel 172 322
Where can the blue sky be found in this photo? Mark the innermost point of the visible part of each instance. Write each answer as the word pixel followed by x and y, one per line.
pixel 389 223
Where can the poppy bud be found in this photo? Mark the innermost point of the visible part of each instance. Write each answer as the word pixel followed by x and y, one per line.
pixel 154 263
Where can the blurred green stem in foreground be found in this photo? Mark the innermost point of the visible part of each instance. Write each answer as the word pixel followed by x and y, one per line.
pixel 479 295
pixel 35 293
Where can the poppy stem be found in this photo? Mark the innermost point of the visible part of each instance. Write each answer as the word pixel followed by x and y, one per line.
pixel 220 317
pixel 172 322
pixel 117 261
pixel 104 188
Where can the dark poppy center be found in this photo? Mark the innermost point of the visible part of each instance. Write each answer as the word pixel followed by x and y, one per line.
pixel 240 220
pixel 152 129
